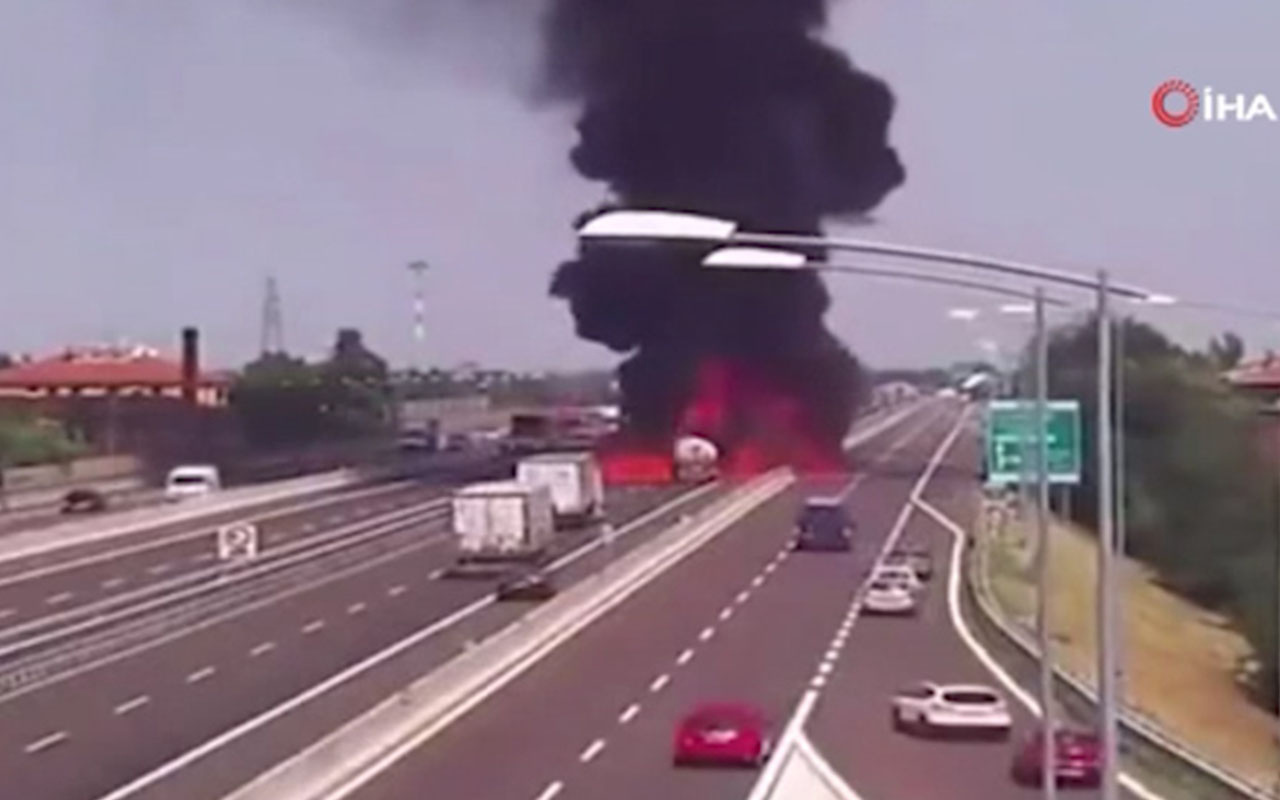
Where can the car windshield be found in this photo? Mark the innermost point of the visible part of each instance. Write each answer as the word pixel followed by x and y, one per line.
pixel 822 516
pixel 970 697
pixel 187 480
pixel 885 586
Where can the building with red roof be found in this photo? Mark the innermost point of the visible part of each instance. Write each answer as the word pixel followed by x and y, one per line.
pixel 1260 377
pixel 121 372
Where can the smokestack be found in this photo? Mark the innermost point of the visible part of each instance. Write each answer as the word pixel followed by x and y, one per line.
pixel 734 108
pixel 190 365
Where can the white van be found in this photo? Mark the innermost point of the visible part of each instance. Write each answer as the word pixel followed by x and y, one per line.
pixel 191 480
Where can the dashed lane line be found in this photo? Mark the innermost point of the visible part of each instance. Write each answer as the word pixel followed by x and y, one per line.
pixel 132 705
pixel 44 743
pixel 204 673
pixel 591 751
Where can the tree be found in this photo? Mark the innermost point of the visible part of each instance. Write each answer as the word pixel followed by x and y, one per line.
pixel 357 384
pixel 1226 351
pixel 6 360
pixel 1200 499
pixel 280 400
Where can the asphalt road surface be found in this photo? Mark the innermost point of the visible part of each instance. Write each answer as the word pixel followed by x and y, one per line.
pixel 743 618
pixel 117 714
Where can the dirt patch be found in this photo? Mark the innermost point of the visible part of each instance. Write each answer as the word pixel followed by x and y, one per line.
pixel 1178 660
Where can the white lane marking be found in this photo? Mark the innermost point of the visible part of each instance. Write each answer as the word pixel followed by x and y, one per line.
pixel 833 653
pixel 396 591
pixel 818 682
pixel 203 557
pixel 659 682
pixel 592 751
pixel 757 581
pixel 113 583
pixel 60 597
pixel 7 612
pixel 435 574
pixel 706 634
pixel 726 613
pixel 154 776
pixel 742 596
pixel 201 674
pixel 262 649
pixel 629 713
pixel 685 656
pixel 132 705
pixel 770 567
pixel 313 626
pixel 356 608
pixel 160 569
pixel 45 743
pixel 825 668
pixel 551 791
pixel 961 627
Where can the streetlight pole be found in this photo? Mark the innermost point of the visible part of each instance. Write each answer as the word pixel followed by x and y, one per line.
pixel 1122 531
pixel 1106 552
pixel 1049 773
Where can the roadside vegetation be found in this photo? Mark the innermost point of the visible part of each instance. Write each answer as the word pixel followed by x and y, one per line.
pixel 1202 498
pixel 27 440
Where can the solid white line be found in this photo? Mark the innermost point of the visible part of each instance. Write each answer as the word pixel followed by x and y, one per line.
pixel 355 670
pixel 45 743
pixel 706 634
pixel 551 791
pixel 201 674
pixel 961 627
pixel 397 590
pixel 313 626
pixel 131 705
pixel 113 583
pixel 60 597
pixel 685 657
pixel 262 649
pixel 356 608
pixel 592 751
pixel 629 713
pixel 659 682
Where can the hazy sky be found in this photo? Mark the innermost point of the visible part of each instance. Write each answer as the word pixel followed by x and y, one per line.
pixel 162 157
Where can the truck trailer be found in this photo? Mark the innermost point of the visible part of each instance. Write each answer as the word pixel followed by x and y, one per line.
pixel 501 523
pixel 574 480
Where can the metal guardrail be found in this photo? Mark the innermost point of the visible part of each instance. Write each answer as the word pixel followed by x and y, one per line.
pixel 1208 778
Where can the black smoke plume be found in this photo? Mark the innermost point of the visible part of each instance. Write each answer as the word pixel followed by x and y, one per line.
pixel 728 107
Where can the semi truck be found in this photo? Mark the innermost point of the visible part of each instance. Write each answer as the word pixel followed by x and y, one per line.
pixel 499 524
pixel 575 481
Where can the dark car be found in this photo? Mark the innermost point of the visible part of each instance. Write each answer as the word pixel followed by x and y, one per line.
pixel 534 585
pixel 824 524
pixel 83 500
pixel 1077 759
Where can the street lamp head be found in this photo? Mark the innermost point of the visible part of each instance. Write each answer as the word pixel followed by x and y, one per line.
pixel 965 314
pixel 658 225
pixel 755 258
pixel 1017 308
pixel 1159 300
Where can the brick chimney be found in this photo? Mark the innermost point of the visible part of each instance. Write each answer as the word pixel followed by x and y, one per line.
pixel 190 364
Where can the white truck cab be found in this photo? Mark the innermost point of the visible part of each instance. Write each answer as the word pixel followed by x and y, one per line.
pixel 191 480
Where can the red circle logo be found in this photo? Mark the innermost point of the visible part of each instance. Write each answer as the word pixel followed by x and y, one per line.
pixel 1160 97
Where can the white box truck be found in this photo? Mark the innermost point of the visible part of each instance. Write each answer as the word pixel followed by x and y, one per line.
pixel 574 480
pixel 502 521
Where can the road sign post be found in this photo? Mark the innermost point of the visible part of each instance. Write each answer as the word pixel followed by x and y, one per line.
pixel 1010 439
pixel 237 542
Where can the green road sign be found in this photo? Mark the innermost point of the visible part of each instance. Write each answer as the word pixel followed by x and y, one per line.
pixel 1010 438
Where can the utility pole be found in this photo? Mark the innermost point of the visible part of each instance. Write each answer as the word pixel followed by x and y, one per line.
pixel 1108 718
pixel 272 320
pixel 419 270
pixel 1048 756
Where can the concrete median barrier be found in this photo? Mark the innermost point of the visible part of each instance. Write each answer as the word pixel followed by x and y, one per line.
pixel 355 753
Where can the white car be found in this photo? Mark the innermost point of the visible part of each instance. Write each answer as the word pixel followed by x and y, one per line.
pixel 888 597
pixel 900 574
pixel 930 708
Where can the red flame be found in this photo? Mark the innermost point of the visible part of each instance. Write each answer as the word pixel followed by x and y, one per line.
pixel 756 425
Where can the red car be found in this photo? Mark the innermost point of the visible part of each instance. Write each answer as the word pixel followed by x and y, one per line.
pixel 723 733
pixel 1077 759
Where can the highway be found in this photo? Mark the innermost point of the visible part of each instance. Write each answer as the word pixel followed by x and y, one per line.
pixel 97 695
pixel 743 618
